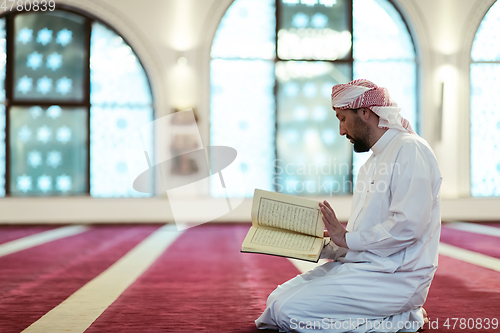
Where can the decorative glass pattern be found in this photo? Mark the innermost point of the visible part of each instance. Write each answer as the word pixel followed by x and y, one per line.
pixel 399 77
pixel 121 101
pixel 383 53
pixel 49 56
pixel 49 145
pixel 48 151
pixel 485 130
pixel 2 150
pixel 484 120
pixel 307 130
pixel 314 30
pixel 116 75
pixel 247 30
pixel 313 159
pixel 3 61
pixel 487 40
pixel 379 32
pixel 243 117
pixel 108 159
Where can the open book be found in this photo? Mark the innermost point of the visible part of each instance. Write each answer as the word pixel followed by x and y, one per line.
pixel 284 225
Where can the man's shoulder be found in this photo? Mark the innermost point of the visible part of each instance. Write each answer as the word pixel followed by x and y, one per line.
pixel 411 142
pixel 410 148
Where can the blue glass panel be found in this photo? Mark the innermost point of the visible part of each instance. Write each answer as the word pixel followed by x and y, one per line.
pixel 2 150
pixel 313 159
pixel 242 116
pixel 48 148
pixel 400 79
pixel 486 46
pixel 108 159
pixel 116 75
pixel 379 32
pixel 49 56
pixel 3 60
pixel 312 30
pixel 247 30
pixel 121 100
pixel 485 130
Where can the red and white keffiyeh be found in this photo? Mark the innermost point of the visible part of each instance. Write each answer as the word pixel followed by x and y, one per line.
pixel 363 93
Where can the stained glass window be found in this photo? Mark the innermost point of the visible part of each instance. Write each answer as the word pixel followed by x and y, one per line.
pixel 48 150
pixel 2 150
pixel 319 43
pixel 3 61
pixel 243 117
pixel 309 30
pixel 120 100
pixel 247 30
pixel 49 56
pixel 116 75
pixel 384 53
pixel 242 106
pixel 68 121
pixel 485 120
pixel 313 158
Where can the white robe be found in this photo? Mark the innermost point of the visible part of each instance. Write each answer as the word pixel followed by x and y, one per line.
pixel 382 281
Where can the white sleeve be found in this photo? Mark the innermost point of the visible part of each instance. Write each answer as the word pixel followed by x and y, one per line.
pixel 332 251
pixel 409 210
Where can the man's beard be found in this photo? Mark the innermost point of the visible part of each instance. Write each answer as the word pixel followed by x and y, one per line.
pixel 360 146
pixel 362 132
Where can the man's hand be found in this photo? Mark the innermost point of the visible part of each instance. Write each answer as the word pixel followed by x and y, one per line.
pixel 335 230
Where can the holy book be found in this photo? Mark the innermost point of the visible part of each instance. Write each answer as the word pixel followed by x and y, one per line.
pixel 285 225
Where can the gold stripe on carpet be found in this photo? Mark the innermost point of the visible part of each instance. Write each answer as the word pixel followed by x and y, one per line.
pixel 474 227
pixel 470 257
pixel 40 238
pixel 82 308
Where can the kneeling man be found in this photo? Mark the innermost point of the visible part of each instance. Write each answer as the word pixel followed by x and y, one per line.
pixel 383 264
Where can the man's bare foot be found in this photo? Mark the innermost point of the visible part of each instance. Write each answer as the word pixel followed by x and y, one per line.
pixel 426 319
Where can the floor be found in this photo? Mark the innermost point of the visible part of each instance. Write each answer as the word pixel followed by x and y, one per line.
pixel 153 278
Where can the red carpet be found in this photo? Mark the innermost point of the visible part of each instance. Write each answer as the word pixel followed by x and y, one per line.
pixel 35 280
pixel 488 245
pixel 462 290
pixel 202 283
pixel 9 233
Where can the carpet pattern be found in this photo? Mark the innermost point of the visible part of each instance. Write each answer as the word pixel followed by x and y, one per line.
pixel 10 233
pixel 35 280
pixel 488 245
pixel 202 283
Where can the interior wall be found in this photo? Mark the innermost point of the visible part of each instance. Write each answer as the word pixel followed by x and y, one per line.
pixel 162 31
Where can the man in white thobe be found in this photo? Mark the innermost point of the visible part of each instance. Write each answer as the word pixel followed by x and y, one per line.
pixel 383 264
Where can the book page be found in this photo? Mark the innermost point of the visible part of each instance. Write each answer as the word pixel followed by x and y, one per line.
pixel 282 239
pixel 282 243
pixel 281 211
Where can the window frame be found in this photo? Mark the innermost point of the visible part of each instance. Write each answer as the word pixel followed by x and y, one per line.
pixel 348 60
pixel 89 20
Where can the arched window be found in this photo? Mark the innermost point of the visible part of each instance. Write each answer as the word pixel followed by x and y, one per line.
pixel 71 88
pixel 485 102
pixel 273 65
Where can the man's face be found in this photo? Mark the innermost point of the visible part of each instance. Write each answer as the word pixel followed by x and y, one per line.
pixel 354 128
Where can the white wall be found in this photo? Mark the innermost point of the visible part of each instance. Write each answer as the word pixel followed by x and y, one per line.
pixel 161 31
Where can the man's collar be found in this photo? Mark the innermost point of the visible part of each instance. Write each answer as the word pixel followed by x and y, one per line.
pixel 384 140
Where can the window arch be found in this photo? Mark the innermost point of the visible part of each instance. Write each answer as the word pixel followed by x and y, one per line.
pixel 71 89
pixel 485 101
pixel 273 65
